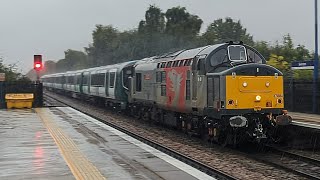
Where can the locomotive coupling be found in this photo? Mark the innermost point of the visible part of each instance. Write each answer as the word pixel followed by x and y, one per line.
pixel 238 121
pixel 283 119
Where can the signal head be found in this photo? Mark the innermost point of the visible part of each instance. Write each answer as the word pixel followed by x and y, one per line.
pixel 37 62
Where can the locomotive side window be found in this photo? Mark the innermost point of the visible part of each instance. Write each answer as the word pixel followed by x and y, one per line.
pixel 138 82
pixel 216 90
pixel 163 90
pixel 158 76
pixel 210 92
pixel 163 76
pixel 237 53
pixel 188 92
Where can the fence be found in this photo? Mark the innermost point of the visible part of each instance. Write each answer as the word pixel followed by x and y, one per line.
pixel 298 96
pixel 21 87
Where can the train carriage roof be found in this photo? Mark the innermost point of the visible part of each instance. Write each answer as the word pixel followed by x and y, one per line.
pixel 119 66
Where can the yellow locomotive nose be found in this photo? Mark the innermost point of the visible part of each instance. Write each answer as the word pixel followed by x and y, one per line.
pixel 254 92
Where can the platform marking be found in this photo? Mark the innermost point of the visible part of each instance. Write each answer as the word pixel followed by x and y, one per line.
pixel 78 163
pixel 175 162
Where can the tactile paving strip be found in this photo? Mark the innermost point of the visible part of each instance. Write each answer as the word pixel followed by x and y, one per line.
pixel 78 163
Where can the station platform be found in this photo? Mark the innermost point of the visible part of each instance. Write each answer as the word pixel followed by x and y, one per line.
pixel 305 120
pixel 62 143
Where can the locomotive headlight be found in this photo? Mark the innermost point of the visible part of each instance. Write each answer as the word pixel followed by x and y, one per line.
pixel 258 98
pixel 267 84
pixel 244 84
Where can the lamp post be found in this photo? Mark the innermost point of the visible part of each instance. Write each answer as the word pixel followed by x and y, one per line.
pixel 316 60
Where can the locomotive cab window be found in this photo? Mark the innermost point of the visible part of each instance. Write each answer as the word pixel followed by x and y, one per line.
pixel 237 53
pixel 219 57
pixel 253 57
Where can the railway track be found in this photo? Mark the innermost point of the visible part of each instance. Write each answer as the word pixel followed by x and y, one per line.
pixel 194 163
pixel 303 165
pixel 219 162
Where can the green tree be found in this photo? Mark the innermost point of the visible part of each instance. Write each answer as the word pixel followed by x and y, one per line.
pixel 181 23
pixel 73 60
pixel 221 31
pixel 11 73
pixel 154 21
pixel 263 47
pixel 105 41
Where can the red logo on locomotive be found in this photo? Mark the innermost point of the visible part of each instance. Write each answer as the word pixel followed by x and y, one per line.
pixel 176 86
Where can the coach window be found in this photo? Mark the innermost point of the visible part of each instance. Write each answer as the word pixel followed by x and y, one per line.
pixel 63 80
pixel 85 79
pixel 75 79
pixel 163 65
pixel 99 79
pixel 78 79
pixel 94 79
pixel 138 82
pixel 112 79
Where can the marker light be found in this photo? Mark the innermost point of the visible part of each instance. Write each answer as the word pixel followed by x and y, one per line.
pixel 244 84
pixel 258 98
pixel 267 84
pixel 38 65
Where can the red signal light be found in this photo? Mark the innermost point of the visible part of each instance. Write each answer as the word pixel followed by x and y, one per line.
pixel 37 62
pixel 37 66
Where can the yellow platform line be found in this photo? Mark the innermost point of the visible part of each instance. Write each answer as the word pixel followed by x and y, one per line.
pixel 78 163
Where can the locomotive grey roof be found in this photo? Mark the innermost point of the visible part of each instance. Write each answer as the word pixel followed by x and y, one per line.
pixel 187 54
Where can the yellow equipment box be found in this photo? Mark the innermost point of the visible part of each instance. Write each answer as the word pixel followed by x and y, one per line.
pixel 21 100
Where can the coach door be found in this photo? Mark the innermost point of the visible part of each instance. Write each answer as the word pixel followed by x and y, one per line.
pixel 112 83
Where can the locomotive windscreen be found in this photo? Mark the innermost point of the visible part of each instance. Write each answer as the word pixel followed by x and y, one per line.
pixel 237 53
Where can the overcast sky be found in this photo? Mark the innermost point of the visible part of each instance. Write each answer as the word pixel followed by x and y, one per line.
pixel 50 27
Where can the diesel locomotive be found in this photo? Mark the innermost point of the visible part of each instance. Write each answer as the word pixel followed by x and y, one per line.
pixel 225 92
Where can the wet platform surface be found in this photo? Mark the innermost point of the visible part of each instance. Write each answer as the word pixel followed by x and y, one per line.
pixel 62 143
